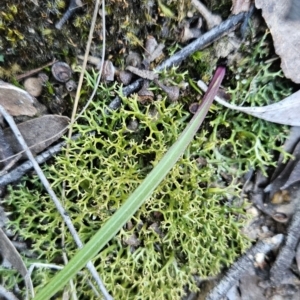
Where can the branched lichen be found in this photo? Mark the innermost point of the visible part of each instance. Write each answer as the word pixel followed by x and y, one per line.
pixel 235 137
pixel 182 229
pixel 189 226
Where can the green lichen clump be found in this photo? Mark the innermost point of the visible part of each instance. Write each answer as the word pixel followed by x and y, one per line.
pixel 189 226
pixel 186 228
pixel 237 138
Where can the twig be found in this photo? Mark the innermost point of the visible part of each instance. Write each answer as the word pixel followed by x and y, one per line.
pixel 56 267
pixel 34 71
pixel 18 172
pixel 211 19
pixel 78 92
pixel 7 294
pixel 203 41
pixel 243 265
pixel 56 201
pixel 281 268
pixel 101 64
pixel 9 252
pixel 74 4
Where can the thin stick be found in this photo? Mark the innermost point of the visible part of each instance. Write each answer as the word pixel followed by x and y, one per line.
pixel 243 265
pixel 86 55
pixel 56 201
pixel 101 64
pixel 96 9
pixel 281 269
pixel 18 172
pixel 34 71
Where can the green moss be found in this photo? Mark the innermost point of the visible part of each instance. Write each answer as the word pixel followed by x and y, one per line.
pixel 31 39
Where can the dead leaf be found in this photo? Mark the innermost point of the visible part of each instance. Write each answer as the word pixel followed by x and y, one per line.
pixel 145 74
pixel 5 149
pixel 239 6
pixel 42 131
pixel 158 51
pixel 284 112
pixel 285 32
pixel 10 253
pixel 294 9
pixel 16 101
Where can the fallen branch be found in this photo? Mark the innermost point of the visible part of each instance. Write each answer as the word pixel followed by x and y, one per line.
pixel 21 170
pixel 280 272
pixel 6 151
pixel 7 294
pixel 51 193
pixel 243 265
pixel 34 71
pixel 201 42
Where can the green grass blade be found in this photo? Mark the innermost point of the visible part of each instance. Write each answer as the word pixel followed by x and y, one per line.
pixel 137 198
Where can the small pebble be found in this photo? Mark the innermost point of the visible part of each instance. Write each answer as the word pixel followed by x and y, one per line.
pixel 33 86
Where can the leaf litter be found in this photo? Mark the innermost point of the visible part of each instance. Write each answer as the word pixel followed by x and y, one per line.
pixel 284 112
pixel 16 101
pixel 285 31
pixel 39 133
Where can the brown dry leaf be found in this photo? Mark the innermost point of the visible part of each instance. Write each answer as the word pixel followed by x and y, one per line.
pixel 284 112
pixel 42 131
pixel 158 51
pixel 16 101
pixel 293 12
pixel 10 253
pixel 239 6
pixel 285 33
pixel 145 74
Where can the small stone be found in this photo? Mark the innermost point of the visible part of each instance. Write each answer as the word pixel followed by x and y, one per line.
pixel 61 71
pixel 132 241
pixel 33 86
